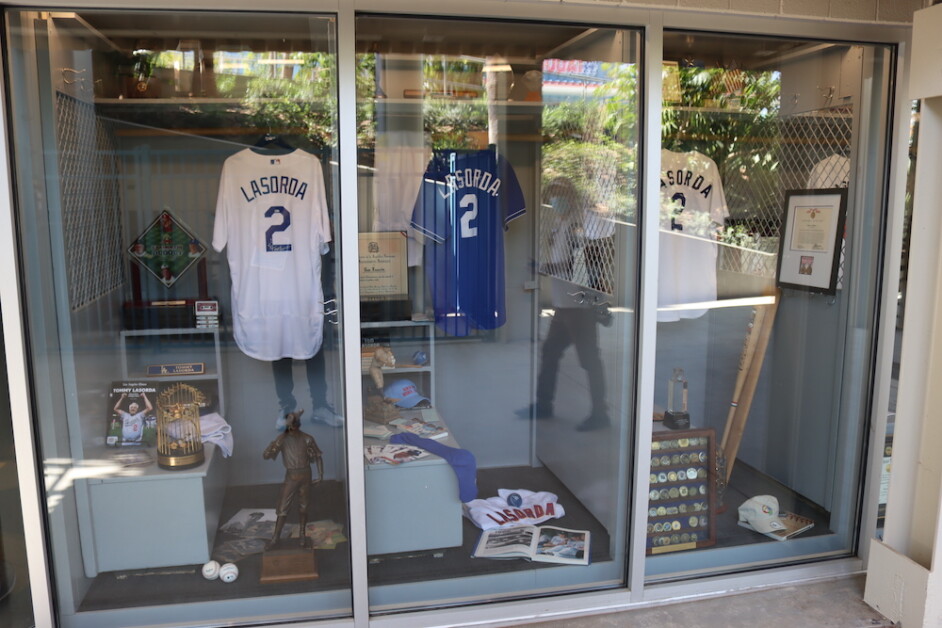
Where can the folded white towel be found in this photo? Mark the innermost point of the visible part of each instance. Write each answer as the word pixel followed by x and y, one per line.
pixel 215 430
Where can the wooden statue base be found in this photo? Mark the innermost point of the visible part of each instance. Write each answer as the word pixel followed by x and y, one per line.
pixel 289 565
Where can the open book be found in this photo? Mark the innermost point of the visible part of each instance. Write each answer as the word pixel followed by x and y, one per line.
pixel 392 454
pixel 421 427
pixel 547 544
pixel 794 525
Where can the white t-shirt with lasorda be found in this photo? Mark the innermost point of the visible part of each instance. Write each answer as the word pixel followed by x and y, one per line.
pixel 513 507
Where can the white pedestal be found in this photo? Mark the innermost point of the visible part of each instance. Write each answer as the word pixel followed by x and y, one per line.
pixel 413 506
pixel 157 518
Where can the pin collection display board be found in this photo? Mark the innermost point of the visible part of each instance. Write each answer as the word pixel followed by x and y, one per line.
pixel 681 513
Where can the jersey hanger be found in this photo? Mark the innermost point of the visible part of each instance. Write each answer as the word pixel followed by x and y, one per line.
pixel 273 139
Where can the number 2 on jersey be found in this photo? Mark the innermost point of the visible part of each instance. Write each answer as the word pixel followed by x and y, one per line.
pixel 468 200
pixel 282 226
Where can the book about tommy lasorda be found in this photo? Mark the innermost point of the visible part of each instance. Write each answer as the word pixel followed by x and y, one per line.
pixel 545 544
pixel 132 414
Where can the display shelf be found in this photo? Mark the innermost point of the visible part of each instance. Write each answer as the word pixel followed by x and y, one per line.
pixel 173 521
pixel 403 499
pixel 461 101
pixel 404 338
pixel 173 346
pixel 189 100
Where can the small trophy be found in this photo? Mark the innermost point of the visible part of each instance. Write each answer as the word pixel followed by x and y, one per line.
pixel 677 417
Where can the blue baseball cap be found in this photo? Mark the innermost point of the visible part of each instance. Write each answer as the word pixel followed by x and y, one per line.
pixel 404 392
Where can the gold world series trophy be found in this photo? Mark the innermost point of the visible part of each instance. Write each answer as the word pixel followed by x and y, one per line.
pixel 298 452
pixel 179 440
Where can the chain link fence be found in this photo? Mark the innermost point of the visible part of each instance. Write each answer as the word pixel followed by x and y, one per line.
pixel 804 151
pixel 91 208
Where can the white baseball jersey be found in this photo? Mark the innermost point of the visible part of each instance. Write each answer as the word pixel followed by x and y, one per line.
pixel 511 508
pixel 693 205
pixel 830 172
pixel 271 213
pixel 132 426
pixel 396 183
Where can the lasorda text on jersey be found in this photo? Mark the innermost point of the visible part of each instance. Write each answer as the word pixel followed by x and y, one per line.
pixel 275 185
pixel 683 177
pixel 471 178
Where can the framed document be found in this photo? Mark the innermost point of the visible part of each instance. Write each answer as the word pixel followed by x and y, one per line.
pixel 812 231
pixel 383 274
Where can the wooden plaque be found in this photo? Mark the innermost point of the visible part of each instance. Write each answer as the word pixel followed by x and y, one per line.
pixel 292 565
pixel 682 497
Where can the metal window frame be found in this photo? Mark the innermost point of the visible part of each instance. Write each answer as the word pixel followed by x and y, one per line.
pixel 653 23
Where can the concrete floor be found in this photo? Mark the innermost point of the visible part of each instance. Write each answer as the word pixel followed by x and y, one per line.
pixel 828 604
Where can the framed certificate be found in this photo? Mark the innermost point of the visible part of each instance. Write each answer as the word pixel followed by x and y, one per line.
pixel 812 232
pixel 383 271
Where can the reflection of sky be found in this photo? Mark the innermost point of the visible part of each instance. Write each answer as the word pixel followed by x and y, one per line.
pixel 573 79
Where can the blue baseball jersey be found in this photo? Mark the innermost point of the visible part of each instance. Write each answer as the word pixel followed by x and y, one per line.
pixel 464 206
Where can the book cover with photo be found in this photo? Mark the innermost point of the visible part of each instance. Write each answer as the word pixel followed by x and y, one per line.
pixel 132 414
pixel 134 406
pixel 547 544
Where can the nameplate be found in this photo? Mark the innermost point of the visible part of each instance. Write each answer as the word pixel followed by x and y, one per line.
pixel 186 368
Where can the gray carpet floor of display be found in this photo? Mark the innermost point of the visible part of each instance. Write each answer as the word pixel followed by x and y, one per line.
pixel 185 584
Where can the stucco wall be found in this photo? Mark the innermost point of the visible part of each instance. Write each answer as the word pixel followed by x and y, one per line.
pixel 893 11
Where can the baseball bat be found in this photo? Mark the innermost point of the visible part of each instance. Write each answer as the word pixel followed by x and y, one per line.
pixel 733 436
pixel 745 361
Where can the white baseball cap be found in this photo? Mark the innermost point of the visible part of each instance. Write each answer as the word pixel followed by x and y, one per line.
pixel 761 513
pixel 405 393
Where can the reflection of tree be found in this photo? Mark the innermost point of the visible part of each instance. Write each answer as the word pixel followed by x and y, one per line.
pixel 452 123
pixel 448 122
pixel 366 107
pixel 593 142
pixel 731 116
pixel 300 97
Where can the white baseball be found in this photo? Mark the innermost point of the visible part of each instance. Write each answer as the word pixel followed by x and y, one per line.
pixel 228 572
pixel 211 570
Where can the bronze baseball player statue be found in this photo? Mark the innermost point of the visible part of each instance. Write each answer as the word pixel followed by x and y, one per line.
pixel 298 450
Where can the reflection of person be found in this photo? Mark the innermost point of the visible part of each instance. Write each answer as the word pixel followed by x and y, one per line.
pixel 316 367
pixel 298 451
pixel 598 226
pixel 132 421
pixel 574 321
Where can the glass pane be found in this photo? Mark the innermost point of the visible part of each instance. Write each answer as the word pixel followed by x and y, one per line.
pixel 765 300
pixel 16 610
pixel 498 274
pixel 176 200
